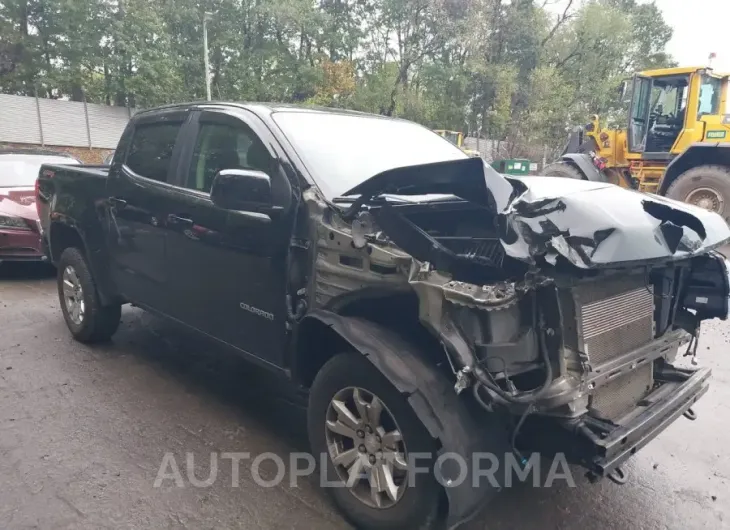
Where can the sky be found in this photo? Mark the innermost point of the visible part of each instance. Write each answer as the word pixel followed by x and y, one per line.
pixel 700 27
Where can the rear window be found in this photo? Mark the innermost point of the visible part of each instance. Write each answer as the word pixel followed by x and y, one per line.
pixel 150 152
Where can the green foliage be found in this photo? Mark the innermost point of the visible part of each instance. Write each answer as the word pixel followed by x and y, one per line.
pixel 510 70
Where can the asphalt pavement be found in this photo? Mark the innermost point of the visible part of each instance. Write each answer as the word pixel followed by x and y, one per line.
pixel 84 434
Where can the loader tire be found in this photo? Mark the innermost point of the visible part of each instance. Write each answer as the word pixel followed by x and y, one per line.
pixel 704 186
pixel 563 170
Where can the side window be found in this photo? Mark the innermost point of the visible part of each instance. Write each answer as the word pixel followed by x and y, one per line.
pixel 220 146
pixel 710 96
pixel 150 151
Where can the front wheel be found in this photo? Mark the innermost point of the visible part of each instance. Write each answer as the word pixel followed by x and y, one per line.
pixel 705 186
pixel 86 318
pixel 362 430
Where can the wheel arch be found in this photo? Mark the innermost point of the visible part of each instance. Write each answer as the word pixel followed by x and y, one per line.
pixel 431 396
pixel 583 163
pixel 699 154
pixel 64 235
pixel 392 308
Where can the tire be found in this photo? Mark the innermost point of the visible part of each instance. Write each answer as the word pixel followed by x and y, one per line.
pixel 418 506
pixel 96 322
pixel 563 170
pixel 715 178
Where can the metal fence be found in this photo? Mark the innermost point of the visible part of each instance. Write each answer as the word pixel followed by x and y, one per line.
pixel 40 121
pixel 492 150
pixel 52 122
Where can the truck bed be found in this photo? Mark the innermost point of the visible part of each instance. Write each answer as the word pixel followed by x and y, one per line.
pixel 69 190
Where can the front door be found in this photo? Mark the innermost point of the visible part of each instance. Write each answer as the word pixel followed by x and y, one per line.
pixel 139 196
pixel 228 268
pixel 639 114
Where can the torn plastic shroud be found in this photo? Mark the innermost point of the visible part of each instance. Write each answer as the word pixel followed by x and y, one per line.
pixel 589 224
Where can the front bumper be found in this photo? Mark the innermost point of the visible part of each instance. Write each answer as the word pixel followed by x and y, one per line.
pixel 656 412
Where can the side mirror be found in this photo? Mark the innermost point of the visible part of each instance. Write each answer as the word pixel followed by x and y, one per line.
pixel 243 190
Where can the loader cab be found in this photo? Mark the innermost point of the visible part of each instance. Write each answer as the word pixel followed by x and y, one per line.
pixel 658 112
pixel 454 137
pixel 457 138
pixel 670 109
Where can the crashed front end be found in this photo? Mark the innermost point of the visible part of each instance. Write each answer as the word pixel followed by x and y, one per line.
pixel 594 354
pixel 557 298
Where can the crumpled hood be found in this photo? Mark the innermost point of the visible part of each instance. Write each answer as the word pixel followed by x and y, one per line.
pixel 591 225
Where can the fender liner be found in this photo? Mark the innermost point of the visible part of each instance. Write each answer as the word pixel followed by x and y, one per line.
pixel 97 258
pixel 436 404
pixel 585 164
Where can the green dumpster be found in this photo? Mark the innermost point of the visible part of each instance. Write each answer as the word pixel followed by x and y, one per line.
pixel 512 166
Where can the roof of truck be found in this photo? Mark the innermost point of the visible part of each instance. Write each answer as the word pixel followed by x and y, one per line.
pixel 683 70
pixel 260 108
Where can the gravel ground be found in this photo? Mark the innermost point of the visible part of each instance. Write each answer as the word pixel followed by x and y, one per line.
pixel 83 434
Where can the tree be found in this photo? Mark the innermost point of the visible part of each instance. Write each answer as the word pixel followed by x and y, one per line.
pixel 516 71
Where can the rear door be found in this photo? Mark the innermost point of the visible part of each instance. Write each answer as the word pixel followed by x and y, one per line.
pixel 140 196
pixel 639 114
pixel 227 269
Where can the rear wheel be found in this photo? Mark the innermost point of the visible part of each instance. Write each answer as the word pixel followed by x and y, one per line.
pixel 86 318
pixel 563 170
pixel 705 186
pixel 362 430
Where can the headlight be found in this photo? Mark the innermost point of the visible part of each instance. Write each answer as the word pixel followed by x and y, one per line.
pixel 15 223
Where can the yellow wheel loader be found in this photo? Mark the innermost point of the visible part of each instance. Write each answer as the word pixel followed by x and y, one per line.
pixel 677 141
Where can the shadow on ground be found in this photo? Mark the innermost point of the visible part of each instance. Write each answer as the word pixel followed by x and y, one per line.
pixel 25 271
pixel 201 365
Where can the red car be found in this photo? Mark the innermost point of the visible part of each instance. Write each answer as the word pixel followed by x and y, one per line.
pixel 20 232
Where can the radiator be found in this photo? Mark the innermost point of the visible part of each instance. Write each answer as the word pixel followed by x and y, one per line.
pixel 611 317
pixel 606 319
pixel 620 395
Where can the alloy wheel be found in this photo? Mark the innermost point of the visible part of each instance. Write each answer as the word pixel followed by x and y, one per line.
pixel 366 447
pixel 73 295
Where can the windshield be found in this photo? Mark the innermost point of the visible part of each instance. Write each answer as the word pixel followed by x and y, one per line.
pixel 669 100
pixel 22 170
pixel 341 151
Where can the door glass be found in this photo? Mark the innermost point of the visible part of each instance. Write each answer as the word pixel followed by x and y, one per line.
pixel 638 120
pixel 219 147
pixel 150 152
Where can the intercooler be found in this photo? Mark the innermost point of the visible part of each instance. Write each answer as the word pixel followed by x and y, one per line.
pixel 610 318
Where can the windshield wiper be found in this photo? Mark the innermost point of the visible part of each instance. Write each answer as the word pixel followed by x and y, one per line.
pixel 345 199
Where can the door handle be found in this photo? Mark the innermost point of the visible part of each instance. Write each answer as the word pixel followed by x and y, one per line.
pixel 117 203
pixel 180 221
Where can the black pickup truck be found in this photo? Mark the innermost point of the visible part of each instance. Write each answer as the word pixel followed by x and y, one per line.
pixel 424 302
